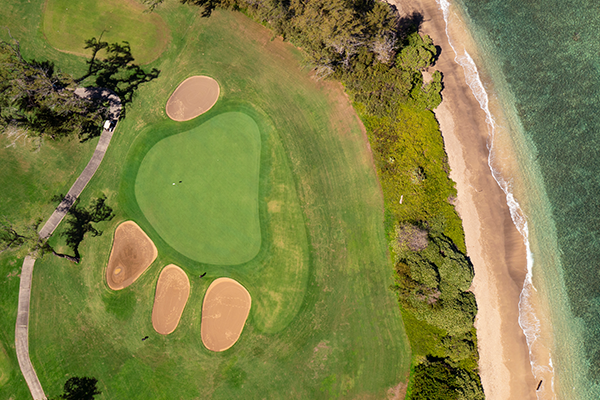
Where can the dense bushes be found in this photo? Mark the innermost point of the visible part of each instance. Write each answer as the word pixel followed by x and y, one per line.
pixel 434 379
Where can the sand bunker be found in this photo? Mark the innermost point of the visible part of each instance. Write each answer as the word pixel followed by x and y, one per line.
pixel 194 96
pixel 172 292
pixel 224 312
pixel 131 254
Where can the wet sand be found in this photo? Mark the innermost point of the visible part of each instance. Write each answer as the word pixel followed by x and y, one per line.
pixel 493 243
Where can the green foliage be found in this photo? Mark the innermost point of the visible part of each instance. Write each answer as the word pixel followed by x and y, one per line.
pixel 37 97
pixel 413 169
pixel 24 238
pixel 435 379
pixel 433 285
pixel 80 389
pixel 417 53
pixel 152 4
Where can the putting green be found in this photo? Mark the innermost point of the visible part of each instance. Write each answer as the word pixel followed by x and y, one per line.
pixel 199 190
pixel 67 24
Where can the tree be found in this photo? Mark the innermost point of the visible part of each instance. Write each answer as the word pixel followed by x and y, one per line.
pixel 77 388
pixel 35 96
pixel 12 237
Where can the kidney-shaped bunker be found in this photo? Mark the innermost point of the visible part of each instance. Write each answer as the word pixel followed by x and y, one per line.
pixel 193 97
pixel 224 313
pixel 172 292
pixel 131 254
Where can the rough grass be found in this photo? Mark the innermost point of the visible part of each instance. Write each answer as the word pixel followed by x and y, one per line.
pixel 4 366
pixel 323 322
pixel 199 189
pixel 67 24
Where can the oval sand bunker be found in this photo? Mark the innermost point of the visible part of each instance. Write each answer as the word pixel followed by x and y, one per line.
pixel 172 292
pixel 131 254
pixel 194 96
pixel 224 312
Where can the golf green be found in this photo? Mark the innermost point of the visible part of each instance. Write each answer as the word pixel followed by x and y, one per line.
pixel 199 190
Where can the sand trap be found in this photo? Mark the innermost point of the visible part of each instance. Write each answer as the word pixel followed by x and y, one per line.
pixel 131 254
pixel 194 96
pixel 224 312
pixel 172 292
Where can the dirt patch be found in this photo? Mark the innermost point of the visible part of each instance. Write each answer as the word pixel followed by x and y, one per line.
pixel 172 292
pixel 194 96
pixel 274 206
pixel 131 254
pixel 224 311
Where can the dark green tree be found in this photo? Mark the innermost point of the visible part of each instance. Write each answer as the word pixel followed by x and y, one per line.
pixel 77 388
pixel 21 237
pixel 37 97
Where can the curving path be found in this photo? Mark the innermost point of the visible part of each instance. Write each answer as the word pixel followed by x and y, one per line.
pixel 22 329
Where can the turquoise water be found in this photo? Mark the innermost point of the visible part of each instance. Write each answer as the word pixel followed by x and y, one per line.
pixel 546 54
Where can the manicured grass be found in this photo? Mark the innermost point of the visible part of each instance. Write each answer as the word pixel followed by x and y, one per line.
pixel 323 322
pixel 199 190
pixel 67 24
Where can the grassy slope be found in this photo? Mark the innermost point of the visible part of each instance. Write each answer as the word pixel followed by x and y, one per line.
pixel 29 178
pixel 324 323
pixel 212 215
pixel 115 20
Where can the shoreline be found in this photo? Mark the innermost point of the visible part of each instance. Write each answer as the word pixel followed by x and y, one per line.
pixel 494 244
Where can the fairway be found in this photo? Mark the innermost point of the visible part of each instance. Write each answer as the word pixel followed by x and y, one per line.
pixel 67 24
pixel 278 192
pixel 199 190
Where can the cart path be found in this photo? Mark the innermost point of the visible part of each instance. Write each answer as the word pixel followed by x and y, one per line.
pixel 22 328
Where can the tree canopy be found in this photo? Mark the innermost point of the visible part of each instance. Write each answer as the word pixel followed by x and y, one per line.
pixel 37 97
pixel 77 388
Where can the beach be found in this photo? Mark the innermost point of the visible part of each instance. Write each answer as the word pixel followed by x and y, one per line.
pixel 494 245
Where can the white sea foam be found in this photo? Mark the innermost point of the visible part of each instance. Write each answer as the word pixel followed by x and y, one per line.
pixel 529 322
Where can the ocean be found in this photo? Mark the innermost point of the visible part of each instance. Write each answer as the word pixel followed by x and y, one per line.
pixel 534 66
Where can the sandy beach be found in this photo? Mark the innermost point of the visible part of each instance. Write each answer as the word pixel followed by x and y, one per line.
pixel 493 243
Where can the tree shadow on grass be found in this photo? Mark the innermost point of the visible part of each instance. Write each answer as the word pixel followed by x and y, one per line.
pixel 79 222
pixel 117 71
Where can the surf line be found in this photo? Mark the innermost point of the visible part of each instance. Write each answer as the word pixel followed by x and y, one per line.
pixel 528 320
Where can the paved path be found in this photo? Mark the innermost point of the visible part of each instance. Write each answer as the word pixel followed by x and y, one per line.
pixel 22 330
pixel 21 333
pixel 83 179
